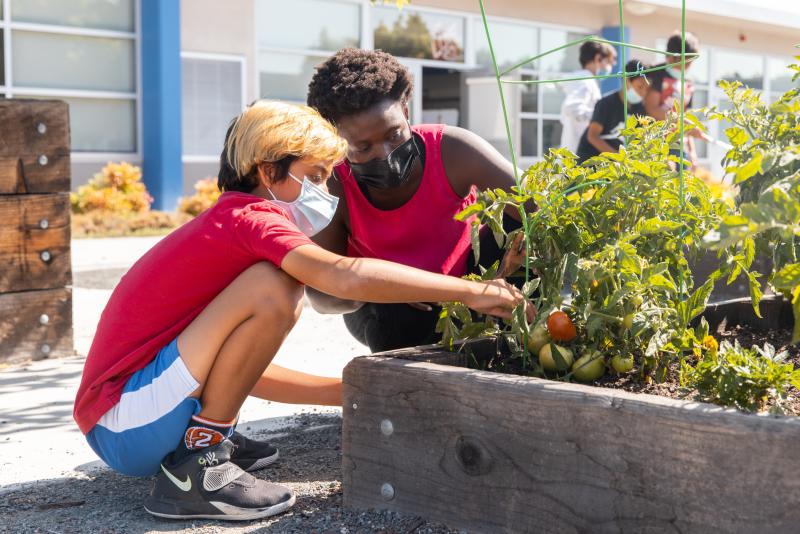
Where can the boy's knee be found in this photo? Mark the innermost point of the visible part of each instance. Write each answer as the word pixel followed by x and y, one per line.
pixel 278 296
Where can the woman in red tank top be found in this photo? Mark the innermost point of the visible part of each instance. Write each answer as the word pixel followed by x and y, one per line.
pixel 400 189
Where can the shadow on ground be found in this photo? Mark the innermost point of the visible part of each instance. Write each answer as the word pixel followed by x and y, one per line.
pixel 43 412
pixel 103 501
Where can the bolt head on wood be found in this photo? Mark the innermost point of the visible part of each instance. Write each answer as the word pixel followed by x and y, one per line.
pixel 355 406
pixel 43 160
pixel 45 349
pixel 43 224
pixel 44 318
pixel 387 491
pixel 45 255
pixel 41 128
pixel 387 428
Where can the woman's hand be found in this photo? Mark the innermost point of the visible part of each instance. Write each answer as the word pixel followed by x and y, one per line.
pixel 513 258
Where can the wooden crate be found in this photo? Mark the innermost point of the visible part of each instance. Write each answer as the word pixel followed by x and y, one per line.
pixel 496 453
pixel 35 263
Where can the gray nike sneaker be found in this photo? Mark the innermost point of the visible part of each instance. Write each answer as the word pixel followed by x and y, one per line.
pixel 207 485
pixel 252 455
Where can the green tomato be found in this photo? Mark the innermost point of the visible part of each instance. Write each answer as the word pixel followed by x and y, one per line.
pixel 627 322
pixel 589 367
pixel 548 360
pixel 538 339
pixel 636 301
pixel 622 364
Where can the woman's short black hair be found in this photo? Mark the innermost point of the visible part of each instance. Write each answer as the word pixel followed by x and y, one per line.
pixel 590 49
pixel 354 80
pixel 228 180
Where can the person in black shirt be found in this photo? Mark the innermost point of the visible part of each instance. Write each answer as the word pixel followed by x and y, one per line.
pixel 603 133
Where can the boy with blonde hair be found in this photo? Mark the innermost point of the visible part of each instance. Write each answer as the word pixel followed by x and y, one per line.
pixel 190 330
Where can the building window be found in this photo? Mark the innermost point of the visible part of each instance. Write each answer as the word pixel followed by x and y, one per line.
pixel 82 52
pixel 326 25
pixel 286 76
pixel 212 95
pixel 418 34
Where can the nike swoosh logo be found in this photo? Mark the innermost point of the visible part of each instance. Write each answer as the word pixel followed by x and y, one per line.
pixel 183 486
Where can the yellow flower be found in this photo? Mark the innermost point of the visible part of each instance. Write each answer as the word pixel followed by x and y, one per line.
pixel 710 343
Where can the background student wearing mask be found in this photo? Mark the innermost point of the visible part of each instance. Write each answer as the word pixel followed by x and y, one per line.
pixel 603 133
pixel 665 89
pixel 596 59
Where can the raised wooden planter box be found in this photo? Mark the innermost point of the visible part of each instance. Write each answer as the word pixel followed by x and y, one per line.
pixel 495 453
pixel 35 264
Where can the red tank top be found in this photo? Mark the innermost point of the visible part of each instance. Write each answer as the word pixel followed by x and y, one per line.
pixel 422 232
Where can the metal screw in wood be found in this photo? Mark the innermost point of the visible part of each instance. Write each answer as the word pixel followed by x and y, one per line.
pixel 355 406
pixel 387 491
pixel 387 428
pixel 45 255
pixel 44 318
pixel 41 127
pixel 43 224
pixel 45 349
pixel 42 160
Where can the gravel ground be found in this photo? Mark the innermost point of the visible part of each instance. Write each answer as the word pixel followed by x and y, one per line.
pixel 310 464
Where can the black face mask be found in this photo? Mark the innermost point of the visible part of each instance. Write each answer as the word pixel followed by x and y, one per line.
pixel 390 172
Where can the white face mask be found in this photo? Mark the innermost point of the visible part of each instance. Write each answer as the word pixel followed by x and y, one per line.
pixel 633 96
pixel 313 208
pixel 604 70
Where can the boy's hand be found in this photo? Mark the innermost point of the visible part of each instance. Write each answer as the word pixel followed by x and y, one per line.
pixel 498 298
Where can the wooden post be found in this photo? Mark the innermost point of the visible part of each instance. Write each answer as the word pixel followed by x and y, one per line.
pixel 35 263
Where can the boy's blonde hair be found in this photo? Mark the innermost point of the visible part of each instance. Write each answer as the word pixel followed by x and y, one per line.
pixel 269 131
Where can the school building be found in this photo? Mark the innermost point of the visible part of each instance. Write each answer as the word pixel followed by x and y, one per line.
pixel 155 82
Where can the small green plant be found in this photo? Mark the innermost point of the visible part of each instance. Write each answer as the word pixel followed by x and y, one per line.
pixel 747 379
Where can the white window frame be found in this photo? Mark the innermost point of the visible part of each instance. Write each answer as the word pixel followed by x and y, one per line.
pixel 7 25
pixel 233 58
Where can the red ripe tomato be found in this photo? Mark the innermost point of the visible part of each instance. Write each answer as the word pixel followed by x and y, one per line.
pixel 560 327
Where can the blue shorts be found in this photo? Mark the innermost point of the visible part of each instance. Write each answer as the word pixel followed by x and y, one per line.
pixel 150 418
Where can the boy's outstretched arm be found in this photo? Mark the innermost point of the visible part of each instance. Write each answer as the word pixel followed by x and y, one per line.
pixel 372 280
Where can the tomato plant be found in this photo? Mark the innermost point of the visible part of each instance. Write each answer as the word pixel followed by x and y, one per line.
pixel 611 241
pixel 764 162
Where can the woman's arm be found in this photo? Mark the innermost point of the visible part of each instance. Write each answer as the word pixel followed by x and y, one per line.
pixel 469 160
pixel 280 384
pixel 372 280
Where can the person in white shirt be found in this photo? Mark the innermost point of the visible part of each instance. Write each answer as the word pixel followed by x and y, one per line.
pixel 582 95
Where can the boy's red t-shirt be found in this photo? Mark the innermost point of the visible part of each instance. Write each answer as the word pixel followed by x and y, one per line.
pixel 171 284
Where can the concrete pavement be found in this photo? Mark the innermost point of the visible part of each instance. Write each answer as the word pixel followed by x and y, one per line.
pixel 38 438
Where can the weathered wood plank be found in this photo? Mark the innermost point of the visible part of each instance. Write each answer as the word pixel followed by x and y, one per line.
pixel 34 242
pixel 36 325
pixel 500 453
pixel 34 146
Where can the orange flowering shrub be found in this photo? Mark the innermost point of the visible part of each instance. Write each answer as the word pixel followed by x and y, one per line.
pixel 206 194
pixel 117 188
